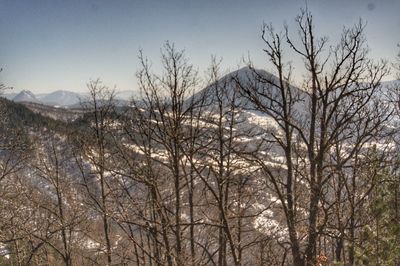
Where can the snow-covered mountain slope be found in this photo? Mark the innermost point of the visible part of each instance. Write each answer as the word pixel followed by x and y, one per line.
pixel 25 96
pixel 64 98
pixel 61 98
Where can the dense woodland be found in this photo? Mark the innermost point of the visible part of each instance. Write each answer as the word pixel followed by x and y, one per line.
pixel 258 168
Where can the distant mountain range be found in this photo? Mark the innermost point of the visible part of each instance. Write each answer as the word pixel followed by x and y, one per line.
pixel 61 98
pixel 70 99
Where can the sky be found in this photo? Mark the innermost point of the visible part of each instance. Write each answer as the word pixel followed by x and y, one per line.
pixel 48 45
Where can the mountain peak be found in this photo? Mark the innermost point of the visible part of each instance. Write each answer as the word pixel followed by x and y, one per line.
pixel 25 96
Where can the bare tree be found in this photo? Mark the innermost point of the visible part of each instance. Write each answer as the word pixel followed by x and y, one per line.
pixel 157 130
pixel 59 198
pixel 397 64
pixel 94 151
pixel 334 105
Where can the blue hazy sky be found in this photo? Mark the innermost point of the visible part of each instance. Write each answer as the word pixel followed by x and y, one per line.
pixel 47 45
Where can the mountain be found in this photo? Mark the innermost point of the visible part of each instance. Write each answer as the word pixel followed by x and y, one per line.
pixel 25 96
pixel 252 80
pixel 60 98
pixel 64 98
